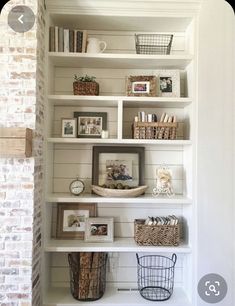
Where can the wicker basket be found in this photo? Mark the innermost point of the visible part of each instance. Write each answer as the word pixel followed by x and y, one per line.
pixel 86 88
pixel 154 130
pixel 153 43
pixel 165 235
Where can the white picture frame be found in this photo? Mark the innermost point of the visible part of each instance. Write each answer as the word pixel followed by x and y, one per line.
pixel 68 127
pixel 99 229
pixel 168 83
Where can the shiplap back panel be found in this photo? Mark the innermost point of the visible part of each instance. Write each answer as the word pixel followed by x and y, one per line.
pixel 76 160
pixel 124 41
pixel 112 82
pixel 121 270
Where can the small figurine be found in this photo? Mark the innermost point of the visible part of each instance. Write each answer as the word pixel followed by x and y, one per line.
pixel 164 182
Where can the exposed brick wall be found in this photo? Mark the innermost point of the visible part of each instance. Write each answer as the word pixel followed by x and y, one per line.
pixel 21 105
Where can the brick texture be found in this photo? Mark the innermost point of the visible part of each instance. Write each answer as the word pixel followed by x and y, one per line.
pixel 21 105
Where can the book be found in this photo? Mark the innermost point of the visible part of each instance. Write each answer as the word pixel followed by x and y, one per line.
pixel 52 39
pixel 61 40
pixel 66 40
pixel 79 41
pixel 71 40
pixel 56 39
pixel 84 41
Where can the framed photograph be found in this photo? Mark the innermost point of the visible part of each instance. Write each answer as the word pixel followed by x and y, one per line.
pixel 90 124
pixel 115 165
pixel 141 86
pixel 69 127
pixel 71 219
pixel 99 230
pixel 169 83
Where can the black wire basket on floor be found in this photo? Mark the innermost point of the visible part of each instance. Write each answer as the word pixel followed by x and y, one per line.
pixel 156 276
pixel 153 43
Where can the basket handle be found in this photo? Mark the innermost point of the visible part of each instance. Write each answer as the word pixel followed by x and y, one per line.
pixel 174 258
pixel 138 259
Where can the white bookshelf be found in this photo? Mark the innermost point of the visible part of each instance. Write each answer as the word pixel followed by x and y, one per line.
pixel 65 156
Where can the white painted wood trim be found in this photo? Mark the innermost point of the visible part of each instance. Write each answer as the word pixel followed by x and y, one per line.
pixel 91 198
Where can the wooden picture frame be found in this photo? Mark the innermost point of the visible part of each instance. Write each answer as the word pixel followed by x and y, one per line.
pixel 99 229
pixel 71 219
pixel 68 127
pixel 169 83
pixel 90 124
pixel 103 156
pixel 145 86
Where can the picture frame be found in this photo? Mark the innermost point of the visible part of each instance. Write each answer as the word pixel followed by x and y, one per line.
pixel 71 219
pixel 99 229
pixel 90 124
pixel 142 85
pixel 68 127
pixel 168 83
pixel 115 165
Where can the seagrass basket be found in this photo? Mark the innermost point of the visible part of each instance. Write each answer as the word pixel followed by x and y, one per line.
pixel 161 235
pixel 86 88
pixel 155 130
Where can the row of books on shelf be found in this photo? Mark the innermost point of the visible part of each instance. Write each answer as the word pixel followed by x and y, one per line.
pixel 67 40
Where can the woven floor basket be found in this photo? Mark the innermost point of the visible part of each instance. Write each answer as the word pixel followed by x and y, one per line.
pixel 86 88
pixel 165 235
pixel 155 130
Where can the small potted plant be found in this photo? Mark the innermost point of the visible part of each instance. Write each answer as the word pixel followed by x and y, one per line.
pixel 85 85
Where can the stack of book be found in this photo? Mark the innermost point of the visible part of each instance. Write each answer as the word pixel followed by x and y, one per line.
pixel 67 40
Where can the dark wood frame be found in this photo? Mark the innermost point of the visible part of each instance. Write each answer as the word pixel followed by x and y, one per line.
pixel 152 79
pixel 60 234
pixel 107 149
pixel 91 114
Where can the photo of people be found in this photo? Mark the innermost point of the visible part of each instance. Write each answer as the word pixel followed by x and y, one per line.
pixel 68 127
pixel 118 170
pixel 89 126
pixel 140 87
pixel 166 84
pixel 74 221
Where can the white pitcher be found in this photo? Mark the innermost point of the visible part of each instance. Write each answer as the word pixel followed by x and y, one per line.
pixel 94 45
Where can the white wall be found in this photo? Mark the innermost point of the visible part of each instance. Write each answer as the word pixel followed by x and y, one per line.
pixel 215 144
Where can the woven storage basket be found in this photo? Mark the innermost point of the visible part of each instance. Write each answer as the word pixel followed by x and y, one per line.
pixel 86 88
pixel 165 235
pixel 155 130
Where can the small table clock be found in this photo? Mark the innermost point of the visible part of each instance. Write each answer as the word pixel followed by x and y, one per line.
pixel 76 187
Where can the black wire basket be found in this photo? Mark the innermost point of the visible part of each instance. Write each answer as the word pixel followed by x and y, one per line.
pixel 153 43
pixel 156 276
pixel 87 275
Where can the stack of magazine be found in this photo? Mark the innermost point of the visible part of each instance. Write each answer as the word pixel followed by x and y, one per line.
pixel 67 40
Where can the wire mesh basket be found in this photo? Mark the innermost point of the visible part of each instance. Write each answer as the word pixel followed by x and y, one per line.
pixel 156 276
pixel 153 43
pixel 87 275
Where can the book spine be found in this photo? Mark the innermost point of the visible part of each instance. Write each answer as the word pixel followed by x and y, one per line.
pixel 61 40
pixel 79 41
pixel 66 40
pixel 52 39
pixel 71 41
pixel 84 41
pixel 56 39
pixel 75 41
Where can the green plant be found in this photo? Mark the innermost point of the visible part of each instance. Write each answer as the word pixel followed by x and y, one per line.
pixel 85 78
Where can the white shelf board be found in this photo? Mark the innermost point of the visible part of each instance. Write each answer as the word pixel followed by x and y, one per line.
pixel 119 141
pixel 118 245
pixel 126 61
pixel 92 198
pixel 63 297
pixel 112 101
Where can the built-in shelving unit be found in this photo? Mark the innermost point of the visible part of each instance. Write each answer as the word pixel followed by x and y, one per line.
pixel 68 157
pixel 113 296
